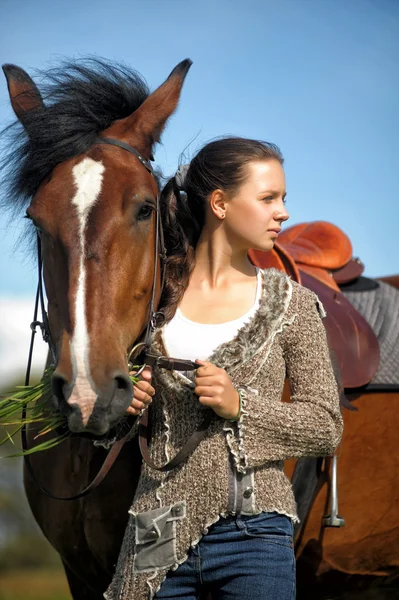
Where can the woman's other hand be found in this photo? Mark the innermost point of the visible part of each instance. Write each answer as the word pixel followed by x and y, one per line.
pixel 215 389
pixel 142 393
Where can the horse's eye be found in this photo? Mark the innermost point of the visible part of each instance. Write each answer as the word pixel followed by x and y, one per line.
pixel 36 226
pixel 144 213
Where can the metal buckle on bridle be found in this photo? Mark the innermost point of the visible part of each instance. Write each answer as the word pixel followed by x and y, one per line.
pixel 135 352
pixel 157 320
pixel 43 328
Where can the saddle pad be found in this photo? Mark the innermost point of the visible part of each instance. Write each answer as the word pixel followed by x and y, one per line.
pixel 380 308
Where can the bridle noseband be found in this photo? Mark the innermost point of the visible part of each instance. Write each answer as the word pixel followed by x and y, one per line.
pixel 141 349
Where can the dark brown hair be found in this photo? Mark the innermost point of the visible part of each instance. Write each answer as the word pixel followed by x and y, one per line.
pixel 221 164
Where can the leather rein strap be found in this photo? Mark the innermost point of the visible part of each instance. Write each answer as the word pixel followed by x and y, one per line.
pixel 149 359
pixel 183 453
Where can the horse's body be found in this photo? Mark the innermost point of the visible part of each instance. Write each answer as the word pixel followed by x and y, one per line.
pixel 366 549
pixel 87 533
pixel 117 276
pixel 365 552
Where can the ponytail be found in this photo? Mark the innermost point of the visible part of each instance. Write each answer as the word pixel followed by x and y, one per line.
pixel 181 233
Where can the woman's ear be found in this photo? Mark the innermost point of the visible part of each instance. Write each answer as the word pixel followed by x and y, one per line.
pixel 218 203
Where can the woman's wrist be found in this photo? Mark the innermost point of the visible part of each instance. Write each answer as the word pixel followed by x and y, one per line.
pixel 238 415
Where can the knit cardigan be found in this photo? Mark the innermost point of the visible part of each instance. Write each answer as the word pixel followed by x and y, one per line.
pixel 172 511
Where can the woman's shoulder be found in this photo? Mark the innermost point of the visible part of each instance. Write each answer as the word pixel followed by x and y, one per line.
pixel 305 299
pixel 299 297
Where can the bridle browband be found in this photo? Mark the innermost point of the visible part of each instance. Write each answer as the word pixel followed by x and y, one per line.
pixel 141 349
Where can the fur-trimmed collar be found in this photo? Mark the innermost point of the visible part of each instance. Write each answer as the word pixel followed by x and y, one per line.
pixel 260 329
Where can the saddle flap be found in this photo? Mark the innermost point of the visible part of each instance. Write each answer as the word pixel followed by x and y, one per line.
pixel 350 336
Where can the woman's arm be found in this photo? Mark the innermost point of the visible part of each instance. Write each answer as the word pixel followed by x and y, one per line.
pixel 312 424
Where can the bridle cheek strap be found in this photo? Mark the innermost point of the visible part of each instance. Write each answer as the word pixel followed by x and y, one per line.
pixel 160 251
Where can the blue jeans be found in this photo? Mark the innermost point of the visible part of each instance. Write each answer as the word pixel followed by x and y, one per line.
pixel 240 558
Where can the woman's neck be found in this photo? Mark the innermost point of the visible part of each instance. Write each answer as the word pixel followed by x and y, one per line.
pixel 217 263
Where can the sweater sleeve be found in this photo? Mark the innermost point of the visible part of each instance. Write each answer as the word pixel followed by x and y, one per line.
pixel 311 425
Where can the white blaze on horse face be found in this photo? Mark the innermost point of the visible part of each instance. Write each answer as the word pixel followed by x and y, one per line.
pixel 88 177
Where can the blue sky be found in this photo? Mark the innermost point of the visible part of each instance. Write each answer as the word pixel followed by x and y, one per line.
pixel 318 77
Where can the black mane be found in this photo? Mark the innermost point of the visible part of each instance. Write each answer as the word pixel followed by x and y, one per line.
pixel 81 99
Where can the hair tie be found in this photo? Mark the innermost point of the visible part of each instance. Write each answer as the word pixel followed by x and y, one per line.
pixel 181 176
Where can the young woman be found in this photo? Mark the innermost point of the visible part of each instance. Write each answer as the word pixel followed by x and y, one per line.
pixel 223 521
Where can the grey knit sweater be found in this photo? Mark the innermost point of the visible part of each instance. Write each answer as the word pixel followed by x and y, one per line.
pixel 172 511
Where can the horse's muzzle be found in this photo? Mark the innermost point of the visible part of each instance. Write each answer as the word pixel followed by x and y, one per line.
pixel 99 414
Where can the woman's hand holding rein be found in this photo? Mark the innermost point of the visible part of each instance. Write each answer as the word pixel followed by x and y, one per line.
pixel 142 393
pixel 215 389
pixel 213 386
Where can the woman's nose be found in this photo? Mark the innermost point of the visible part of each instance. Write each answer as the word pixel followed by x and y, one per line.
pixel 282 215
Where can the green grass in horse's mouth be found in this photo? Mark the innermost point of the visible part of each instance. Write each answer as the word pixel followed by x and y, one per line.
pixel 37 400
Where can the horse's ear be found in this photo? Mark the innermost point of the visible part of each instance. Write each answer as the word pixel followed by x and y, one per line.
pixel 150 118
pixel 23 92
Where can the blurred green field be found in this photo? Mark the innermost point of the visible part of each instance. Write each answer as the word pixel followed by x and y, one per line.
pixel 43 584
pixel 30 569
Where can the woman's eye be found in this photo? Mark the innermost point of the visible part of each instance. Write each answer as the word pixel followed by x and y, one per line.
pixel 144 213
pixel 271 198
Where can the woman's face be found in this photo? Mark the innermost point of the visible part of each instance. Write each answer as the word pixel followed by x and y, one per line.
pixel 255 213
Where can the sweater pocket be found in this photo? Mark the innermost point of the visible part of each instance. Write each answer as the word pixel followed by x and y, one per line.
pixel 155 537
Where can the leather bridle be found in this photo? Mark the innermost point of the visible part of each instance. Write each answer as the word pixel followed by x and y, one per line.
pixel 139 350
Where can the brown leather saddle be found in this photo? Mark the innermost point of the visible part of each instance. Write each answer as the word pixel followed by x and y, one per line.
pixel 318 255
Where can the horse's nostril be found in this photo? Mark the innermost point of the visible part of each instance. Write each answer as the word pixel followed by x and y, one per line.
pixel 123 382
pixel 58 383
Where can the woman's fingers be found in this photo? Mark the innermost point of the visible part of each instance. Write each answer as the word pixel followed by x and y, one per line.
pixel 138 405
pixel 145 374
pixel 205 369
pixel 208 381
pixel 142 396
pixel 208 401
pixel 142 392
pixel 135 408
pixel 144 386
pixel 209 391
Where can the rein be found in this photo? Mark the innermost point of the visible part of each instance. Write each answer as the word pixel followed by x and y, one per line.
pixel 139 349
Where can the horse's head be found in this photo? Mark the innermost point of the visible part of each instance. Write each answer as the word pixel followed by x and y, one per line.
pixel 95 209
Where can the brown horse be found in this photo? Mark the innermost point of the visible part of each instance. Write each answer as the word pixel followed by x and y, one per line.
pixel 361 558
pixel 363 555
pixel 94 206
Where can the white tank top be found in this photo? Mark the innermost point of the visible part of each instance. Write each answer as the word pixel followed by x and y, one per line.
pixel 187 339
